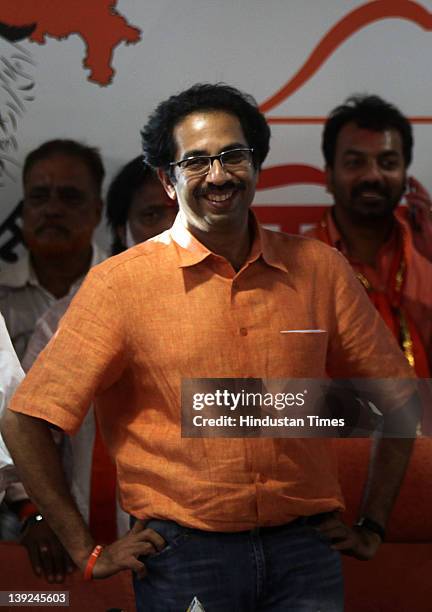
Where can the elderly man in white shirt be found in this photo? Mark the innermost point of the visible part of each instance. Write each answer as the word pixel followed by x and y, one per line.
pixel 62 207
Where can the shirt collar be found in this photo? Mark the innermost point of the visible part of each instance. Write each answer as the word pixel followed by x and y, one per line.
pixel 401 229
pixel 21 273
pixel 192 252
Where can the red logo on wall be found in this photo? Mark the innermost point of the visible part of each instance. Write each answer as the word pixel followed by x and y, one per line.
pixel 97 22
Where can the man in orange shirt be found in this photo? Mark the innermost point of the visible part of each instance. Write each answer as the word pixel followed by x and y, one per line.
pixel 242 523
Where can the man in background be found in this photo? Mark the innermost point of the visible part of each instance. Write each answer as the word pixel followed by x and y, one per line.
pixel 367 145
pixel 62 206
pixel 137 207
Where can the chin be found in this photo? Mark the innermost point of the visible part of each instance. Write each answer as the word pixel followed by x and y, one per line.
pixel 372 214
pixel 50 248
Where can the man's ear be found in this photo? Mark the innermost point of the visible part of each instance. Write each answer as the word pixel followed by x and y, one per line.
pixel 329 179
pixel 167 183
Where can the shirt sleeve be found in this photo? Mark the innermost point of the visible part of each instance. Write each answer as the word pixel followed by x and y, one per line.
pixel 360 344
pixel 84 358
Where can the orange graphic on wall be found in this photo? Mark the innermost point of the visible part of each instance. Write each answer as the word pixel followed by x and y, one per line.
pixel 338 34
pixel 97 22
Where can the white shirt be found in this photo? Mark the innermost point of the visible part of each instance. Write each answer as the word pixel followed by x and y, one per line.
pixel 23 300
pixel 11 375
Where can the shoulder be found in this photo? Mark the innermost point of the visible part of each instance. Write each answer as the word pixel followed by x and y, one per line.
pixel 304 249
pixel 318 272
pixel 138 264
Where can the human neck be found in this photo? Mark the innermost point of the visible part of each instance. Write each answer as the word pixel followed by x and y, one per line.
pixel 58 273
pixel 234 246
pixel 363 241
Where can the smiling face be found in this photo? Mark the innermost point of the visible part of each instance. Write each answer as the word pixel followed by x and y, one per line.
pixel 368 177
pixel 61 207
pixel 218 201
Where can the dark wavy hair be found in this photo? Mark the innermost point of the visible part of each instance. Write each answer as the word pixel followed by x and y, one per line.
pixel 371 113
pixel 90 156
pixel 120 193
pixel 157 135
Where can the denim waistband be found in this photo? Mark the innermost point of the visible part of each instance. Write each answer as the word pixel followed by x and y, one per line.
pixel 313 520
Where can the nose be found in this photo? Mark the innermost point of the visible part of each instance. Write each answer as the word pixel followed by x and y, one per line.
pixel 217 174
pixel 372 172
pixel 53 204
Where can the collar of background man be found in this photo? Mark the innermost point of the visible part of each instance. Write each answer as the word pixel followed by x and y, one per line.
pixel 21 273
pixel 335 238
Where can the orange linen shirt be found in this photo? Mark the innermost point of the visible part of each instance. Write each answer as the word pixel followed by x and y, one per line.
pixel 169 309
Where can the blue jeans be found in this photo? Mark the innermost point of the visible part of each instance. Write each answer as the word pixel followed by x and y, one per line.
pixel 290 568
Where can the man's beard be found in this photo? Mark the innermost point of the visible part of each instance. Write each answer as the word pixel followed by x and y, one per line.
pixel 367 211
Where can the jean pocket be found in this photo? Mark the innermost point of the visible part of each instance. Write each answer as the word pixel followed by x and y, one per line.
pixel 318 535
pixel 174 535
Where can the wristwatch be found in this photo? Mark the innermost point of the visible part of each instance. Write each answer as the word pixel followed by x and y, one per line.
pixel 371 525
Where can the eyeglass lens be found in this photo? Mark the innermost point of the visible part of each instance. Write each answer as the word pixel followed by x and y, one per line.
pixel 230 160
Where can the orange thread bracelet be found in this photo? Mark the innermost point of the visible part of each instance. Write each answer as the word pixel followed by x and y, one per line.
pixel 88 572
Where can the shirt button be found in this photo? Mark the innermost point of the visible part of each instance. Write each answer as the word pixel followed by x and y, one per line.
pixel 243 331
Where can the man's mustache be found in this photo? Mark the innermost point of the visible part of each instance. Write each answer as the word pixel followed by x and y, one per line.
pixel 227 186
pixel 370 187
pixel 44 226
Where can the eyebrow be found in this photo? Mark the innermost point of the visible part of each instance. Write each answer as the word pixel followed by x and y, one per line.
pixel 358 152
pixel 50 186
pixel 46 189
pixel 204 153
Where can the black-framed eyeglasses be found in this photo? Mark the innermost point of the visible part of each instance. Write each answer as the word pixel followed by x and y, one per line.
pixel 231 161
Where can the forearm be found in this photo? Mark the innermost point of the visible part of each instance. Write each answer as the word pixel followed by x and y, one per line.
pixel 390 458
pixel 37 459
